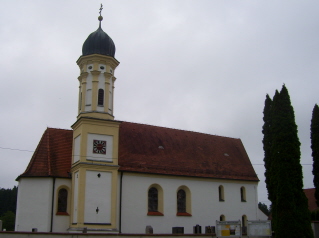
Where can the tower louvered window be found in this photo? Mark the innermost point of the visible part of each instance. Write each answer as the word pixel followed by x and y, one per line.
pixel 100 100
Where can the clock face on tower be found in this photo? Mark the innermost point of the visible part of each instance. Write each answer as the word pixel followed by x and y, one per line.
pixel 99 147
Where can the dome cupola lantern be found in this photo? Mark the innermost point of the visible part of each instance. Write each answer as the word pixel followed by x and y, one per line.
pixel 98 42
pixel 97 68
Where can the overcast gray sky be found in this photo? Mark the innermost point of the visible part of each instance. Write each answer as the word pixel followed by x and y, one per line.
pixel 198 65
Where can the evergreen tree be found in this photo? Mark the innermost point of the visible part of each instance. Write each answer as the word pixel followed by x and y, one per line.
pixel 315 149
pixel 8 220
pixel 263 207
pixel 8 200
pixel 267 146
pixel 290 214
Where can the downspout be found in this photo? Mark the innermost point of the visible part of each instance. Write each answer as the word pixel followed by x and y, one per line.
pixel 52 203
pixel 120 222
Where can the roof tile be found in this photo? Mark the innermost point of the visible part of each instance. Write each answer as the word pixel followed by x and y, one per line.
pixel 159 150
pixel 52 156
pixel 151 149
pixel 310 194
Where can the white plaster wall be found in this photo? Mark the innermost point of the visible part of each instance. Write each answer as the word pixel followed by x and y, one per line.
pixel 34 204
pixel 110 109
pixel 76 149
pixel 88 97
pixel 98 195
pixel 109 147
pixel 75 197
pixel 261 215
pixel 61 222
pixel 206 207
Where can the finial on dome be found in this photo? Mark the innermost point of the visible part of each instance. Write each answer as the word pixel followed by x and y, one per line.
pixel 100 17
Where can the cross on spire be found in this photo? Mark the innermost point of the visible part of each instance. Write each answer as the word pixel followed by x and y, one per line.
pixel 101 8
pixel 100 17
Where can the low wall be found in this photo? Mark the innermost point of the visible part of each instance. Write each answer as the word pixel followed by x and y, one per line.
pixel 8 234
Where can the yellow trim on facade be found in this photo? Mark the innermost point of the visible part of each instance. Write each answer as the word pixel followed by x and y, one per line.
pixel 85 126
pixel 81 196
pixel 82 90
pixel 95 82
pixel 96 60
pixel 98 123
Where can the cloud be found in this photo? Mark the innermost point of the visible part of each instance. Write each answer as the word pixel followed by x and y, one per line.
pixel 196 65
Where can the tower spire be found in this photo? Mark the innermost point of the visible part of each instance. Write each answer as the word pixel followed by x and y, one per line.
pixel 100 17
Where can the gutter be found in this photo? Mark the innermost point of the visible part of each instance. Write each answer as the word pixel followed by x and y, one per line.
pixel 120 218
pixel 52 204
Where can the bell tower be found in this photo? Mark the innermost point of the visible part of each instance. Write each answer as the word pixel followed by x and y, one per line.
pixel 97 65
pixel 95 139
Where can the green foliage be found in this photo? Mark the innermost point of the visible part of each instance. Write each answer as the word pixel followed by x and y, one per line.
pixel 290 214
pixel 314 128
pixel 8 221
pixel 263 207
pixel 8 200
pixel 315 215
pixel 8 203
pixel 267 144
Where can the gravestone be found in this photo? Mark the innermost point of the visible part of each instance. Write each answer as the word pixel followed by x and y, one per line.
pixel 178 230
pixel 149 230
pixel 209 229
pixel 197 229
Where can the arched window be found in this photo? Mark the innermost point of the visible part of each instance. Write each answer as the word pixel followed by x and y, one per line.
pixel 152 200
pixel 100 99
pixel 221 193
pixel 244 224
pixel 181 201
pixel 222 218
pixel 243 194
pixel 155 200
pixel 62 200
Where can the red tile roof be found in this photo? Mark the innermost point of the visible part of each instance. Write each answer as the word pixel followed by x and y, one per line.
pixel 159 150
pixel 52 157
pixel 310 194
pixel 152 149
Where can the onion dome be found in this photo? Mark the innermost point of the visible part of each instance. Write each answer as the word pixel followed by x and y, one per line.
pixel 98 42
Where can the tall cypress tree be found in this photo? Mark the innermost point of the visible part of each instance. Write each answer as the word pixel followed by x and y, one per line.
pixel 289 204
pixel 267 145
pixel 315 149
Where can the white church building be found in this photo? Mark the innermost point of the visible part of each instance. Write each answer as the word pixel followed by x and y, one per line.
pixel 107 175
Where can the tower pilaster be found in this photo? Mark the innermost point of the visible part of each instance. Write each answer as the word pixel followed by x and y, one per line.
pixel 97 86
pixel 95 139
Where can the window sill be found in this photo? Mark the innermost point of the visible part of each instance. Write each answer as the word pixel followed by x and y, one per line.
pixel 221 200
pixel 62 214
pixel 183 214
pixel 155 214
pixel 243 201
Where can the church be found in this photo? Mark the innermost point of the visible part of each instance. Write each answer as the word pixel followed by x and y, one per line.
pixel 112 176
